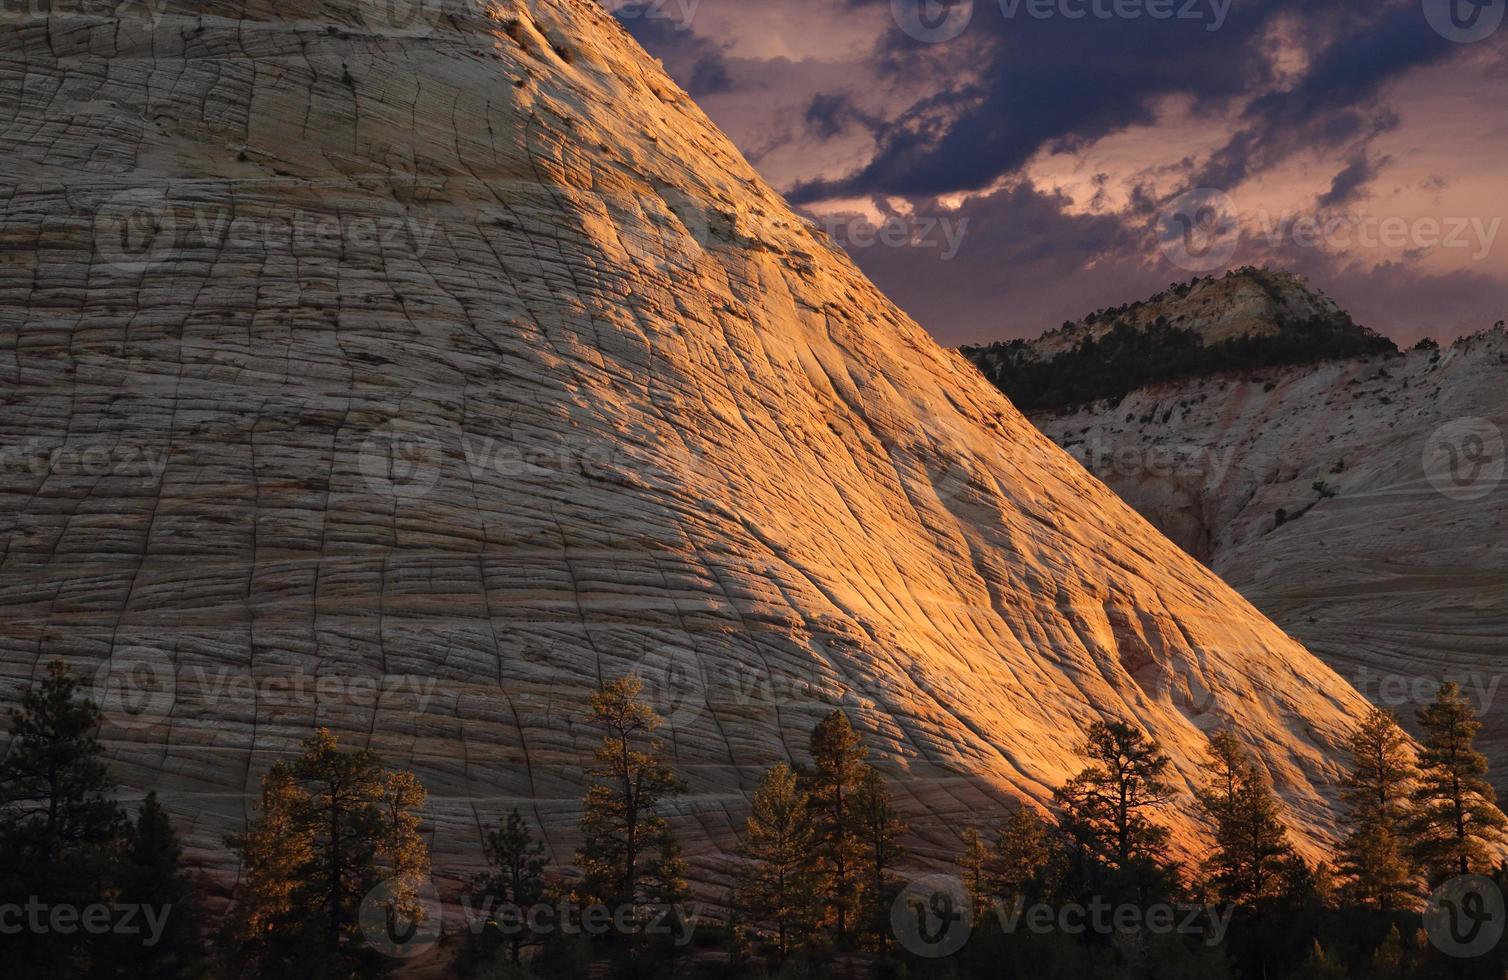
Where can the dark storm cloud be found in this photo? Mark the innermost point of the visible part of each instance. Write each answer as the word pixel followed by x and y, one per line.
pixel 1350 182
pixel 696 62
pixel 1014 239
pixel 1060 82
pixel 1335 104
pixel 829 114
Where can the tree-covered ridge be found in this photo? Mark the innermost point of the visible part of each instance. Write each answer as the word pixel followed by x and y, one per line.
pixel 1141 346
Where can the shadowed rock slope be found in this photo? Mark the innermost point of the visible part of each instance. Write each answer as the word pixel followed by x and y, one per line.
pixel 465 359
pixel 1360 503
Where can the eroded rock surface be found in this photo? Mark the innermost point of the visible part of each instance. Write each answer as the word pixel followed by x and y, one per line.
pixel 1360 504
pixel 462 358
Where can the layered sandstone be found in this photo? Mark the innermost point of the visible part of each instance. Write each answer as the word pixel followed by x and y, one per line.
pixel 410 377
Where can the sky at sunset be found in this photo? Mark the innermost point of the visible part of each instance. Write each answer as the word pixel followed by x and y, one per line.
pixel 1003 165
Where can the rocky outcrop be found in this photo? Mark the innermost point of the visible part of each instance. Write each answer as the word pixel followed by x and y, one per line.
pixel 1248 318
pixel 1358 503
pixel 410 376
pixel 1241 303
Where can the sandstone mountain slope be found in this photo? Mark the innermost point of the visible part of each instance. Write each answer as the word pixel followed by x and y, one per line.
pixel 1359 503
pixel 411 378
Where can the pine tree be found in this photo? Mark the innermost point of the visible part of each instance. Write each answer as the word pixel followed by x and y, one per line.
pixel 1023 851
pixel 1322 965
pixel 837 769
pixel 1456 822
pixel 267 926
pixel 334 825
pixel 1376 793
pixel 880 831
pixel 60 828
pixel 1106 806
pixel 973 866
pixel 1252 847
pixel 629 855
pixel 778 888
pixel 1390 959
pixel 151 876
pixel 517 862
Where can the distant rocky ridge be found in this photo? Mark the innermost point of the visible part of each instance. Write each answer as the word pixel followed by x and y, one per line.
pixel 1360 502
pixel 1248 318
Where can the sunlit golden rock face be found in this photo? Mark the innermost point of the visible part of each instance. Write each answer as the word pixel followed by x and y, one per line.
pixel 410 379
pixel 1391 560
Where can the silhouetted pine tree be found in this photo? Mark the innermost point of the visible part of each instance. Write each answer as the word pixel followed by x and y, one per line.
pixel 60 828
pixel 1456 818
pixel 973 866
pixel 629 855
pixel 513 885
pixel 151 876
pixel 1252 847
pixel 1322 965
pixel 334 825
pixel 1374 859
pixel 833 783
pixel 880 833
pixel 1107 806
pixel 1022 856
pixel 778 884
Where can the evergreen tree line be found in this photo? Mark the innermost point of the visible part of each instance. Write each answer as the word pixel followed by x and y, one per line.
pixel 1127 357
pixel 818 879
pixel 1413 821
pixel 87 889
